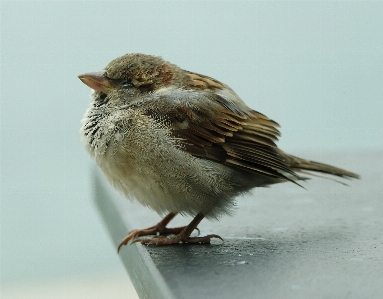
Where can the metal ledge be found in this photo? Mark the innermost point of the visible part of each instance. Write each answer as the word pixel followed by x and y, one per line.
pixel 283 242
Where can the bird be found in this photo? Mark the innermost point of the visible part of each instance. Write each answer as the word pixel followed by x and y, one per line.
pixel 180 142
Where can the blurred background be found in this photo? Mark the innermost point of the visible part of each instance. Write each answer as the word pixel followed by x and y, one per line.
pixel 314 67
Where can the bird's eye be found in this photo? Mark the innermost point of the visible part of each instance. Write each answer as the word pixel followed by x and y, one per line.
pixel 127 84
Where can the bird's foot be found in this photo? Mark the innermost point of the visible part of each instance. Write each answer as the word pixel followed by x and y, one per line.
pixel 153 230
pixel 182 234
pixel 162 240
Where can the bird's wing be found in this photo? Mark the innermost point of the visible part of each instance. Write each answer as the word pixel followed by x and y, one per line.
pixel 219 126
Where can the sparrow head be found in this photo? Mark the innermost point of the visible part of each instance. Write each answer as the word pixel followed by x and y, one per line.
pixel 133 75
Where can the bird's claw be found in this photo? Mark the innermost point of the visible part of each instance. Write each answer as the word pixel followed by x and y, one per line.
pixel 134 234
pixel 162 240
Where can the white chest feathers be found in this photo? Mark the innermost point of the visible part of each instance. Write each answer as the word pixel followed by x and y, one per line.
pixel 141 159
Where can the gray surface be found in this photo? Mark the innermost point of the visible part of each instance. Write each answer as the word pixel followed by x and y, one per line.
pixel 283 242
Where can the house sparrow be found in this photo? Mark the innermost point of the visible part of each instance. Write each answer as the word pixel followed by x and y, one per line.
pixel 181 142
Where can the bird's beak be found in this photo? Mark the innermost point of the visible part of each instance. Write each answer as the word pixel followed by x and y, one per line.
pixel 96 81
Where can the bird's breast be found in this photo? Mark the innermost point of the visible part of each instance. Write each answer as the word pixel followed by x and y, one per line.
pixel 141 159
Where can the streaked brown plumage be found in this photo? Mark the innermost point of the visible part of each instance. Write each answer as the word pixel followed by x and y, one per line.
pixel 181 142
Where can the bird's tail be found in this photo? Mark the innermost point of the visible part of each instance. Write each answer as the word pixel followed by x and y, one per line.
pixel 306 166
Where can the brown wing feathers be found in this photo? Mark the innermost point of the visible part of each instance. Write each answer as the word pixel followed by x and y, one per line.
pixel 246 142
pixel 218 128
pixel 213 123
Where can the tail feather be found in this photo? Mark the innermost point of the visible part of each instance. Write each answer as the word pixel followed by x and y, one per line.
pixel 302 165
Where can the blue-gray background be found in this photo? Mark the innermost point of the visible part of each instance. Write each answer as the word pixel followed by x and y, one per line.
pixel 315 67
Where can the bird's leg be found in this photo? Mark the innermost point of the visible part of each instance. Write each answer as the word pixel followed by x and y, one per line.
pixel 160 228
pixel 183 236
